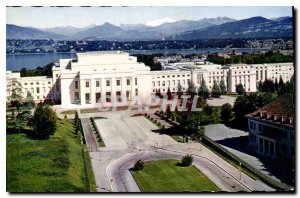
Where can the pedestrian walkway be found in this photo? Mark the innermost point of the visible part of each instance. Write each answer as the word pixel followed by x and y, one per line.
pixel 89 137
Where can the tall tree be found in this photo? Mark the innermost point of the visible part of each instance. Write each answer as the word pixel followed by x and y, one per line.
pixel 169 94
pixel 281 86
pixel 44 121
pixel 268 86
pixel 14 88
pixel 199 135
pixel 168 112
pixel 191 89
pixel 260 86
pixel 216 91
pixel 226 112
pixel 203 90
pixel 179 90
pixel 223 87
pixel 276 85
pixel 29 102
pixel 239 89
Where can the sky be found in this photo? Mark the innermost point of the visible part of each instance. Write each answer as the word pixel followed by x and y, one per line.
pixel 45 17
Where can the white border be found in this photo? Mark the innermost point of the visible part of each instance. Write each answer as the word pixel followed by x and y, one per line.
pixel 114 3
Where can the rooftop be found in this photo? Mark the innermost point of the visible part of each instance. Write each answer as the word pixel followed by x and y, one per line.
pixel 280 111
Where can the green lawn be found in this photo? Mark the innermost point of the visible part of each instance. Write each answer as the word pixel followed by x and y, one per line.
pixel 53 165
pixel 166 176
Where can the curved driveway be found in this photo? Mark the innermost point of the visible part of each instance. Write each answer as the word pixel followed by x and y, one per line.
pixel 129 139
pixel 122 180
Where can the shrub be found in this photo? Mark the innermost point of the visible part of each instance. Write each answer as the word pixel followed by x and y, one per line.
pixel 186 160
pixel 138 165
pixel 44 121
pixel 65 117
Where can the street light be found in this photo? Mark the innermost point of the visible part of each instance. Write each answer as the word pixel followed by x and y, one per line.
pixel 240 170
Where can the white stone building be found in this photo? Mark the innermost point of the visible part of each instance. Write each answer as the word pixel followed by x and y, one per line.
pixel 111 74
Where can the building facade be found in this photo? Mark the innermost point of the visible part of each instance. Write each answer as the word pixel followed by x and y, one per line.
pixel 271 129
pixel 95 76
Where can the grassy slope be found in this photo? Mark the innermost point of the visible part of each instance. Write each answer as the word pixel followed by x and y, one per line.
pixel 53 165
pixel 165 176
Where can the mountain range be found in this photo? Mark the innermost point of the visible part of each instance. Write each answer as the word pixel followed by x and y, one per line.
pixel 206 28
pixel 255 27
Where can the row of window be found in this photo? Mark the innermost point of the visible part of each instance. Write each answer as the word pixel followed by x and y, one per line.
pixel 37 90
pixel 164 90
pixel 215 73
pixel 239 67
pixel 108 82
pixel 107 96
pixel 241 72
pixel 168 76
pixel 37 83
pixel 269 130
pixel 168 83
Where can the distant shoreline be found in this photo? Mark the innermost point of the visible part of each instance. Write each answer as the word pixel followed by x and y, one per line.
pixel 133 50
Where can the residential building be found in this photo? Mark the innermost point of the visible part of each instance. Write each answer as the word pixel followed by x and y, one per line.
pixel 272 129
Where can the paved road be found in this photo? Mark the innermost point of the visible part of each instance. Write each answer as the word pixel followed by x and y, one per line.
pixel 88 135
pixel 122 180
pixel 125 134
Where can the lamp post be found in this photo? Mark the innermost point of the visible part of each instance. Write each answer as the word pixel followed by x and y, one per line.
pixel 240 170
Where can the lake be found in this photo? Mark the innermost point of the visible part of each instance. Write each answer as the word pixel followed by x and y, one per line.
pixel 17 61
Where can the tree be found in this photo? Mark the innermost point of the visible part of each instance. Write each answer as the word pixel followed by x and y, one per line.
pixel 24 72
pixel 223 87
pixel 179 91
pixel 191 89
pixel 201 102
pixel 260 86
pixel 215 116
pixel 226 112
pixel 216 91
pixel 276 85
pixel 268 86
pixel 281 83
pixel 203 90
pixel 239 89
pixel 169 94
pixel 159 93
pixel 44 121
pixel 29 102
pixel 281 86
pixel 76 123
pixel 14 88
pixel 176 115
pixel 187 160
pixel 168 112
pixel 249 103
pixel 200 133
